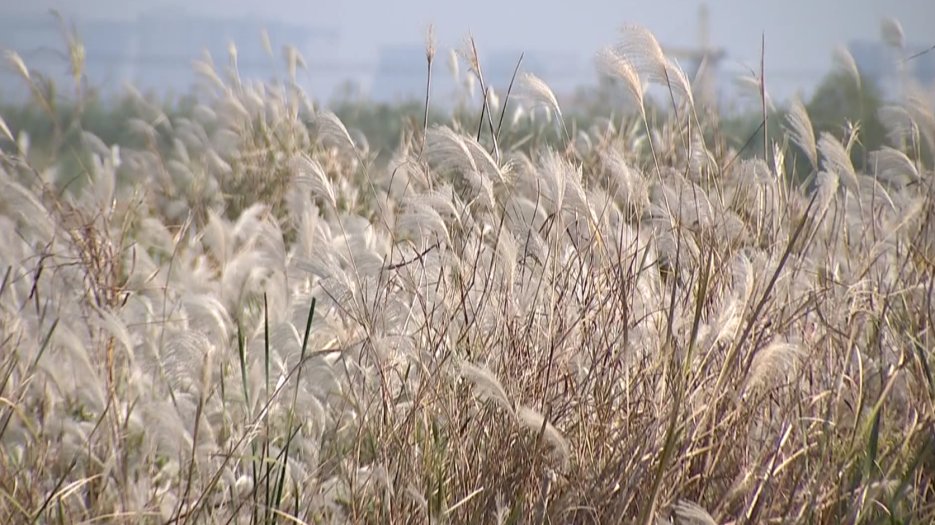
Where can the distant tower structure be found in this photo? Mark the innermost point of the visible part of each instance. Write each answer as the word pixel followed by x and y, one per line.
pixel 701 62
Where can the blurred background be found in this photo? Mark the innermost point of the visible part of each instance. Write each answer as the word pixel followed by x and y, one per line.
pixel 375 50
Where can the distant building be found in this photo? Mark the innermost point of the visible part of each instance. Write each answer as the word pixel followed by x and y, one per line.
pixel 155 51
pixel 400 73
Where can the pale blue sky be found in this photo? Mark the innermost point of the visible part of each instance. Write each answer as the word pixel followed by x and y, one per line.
pixel 800 34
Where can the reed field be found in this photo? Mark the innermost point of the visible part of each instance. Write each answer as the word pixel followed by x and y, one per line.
pixel 245 316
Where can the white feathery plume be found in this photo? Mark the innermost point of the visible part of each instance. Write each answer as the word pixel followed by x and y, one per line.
pixel 256 104
pixel 310 173
pixel 776 362
pixel 701 159
pixel 728 322
pixel 448 150
pixel 486 384
pixel 483 161
pixel 750 85
pixel 205 69
pixel 148 111
pixel 483 187
pixel 266 43
pixel 508 256
pixel 232 55
pixel 144 129
pixel 516 115
pixel 893 165
pixel 182 176
pixel 612 64
pixel 639 47
pixel 209 316
pixel 891 31
pixel 180 149
pixel 838 160
pixel 536 91
pixel 493 100
pixel 359 140
pixel 421 219
pixel 827 188
pixel 919 105
pixel 629 185
pixel 216 238
pixel 217 164
pixel 898 123
pixel 231 106
pixel 583 143
pixel 555 173
pixel 191 133
pixel 332 131
pixel 226 143
pixel 453 65
pixel 17 62
pixel 204 114
pixel 686 512
pixel 801 131
pixel 844 60
pixel 444 200
pixel 24 207
pixel 101 192
pixel 182 360
pixel 678 82
pixel 873 196
pixel 6 130
pixel 294 59
pixel 470 82
pixel 73 368
pixel 534 421
pixel 168 433
pixel 742 279
pixel 117 328
pixel 243 277
pixel 95 144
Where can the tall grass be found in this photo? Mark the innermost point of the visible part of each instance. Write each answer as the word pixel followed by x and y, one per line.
pixel 248 320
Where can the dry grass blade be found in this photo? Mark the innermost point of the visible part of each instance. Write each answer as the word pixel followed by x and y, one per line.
pixel 535 90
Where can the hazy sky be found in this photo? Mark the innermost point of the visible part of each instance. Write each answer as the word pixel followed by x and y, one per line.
pixel 800 34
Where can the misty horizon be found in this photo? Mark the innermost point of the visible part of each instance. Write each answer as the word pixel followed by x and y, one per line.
pixel 381 56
